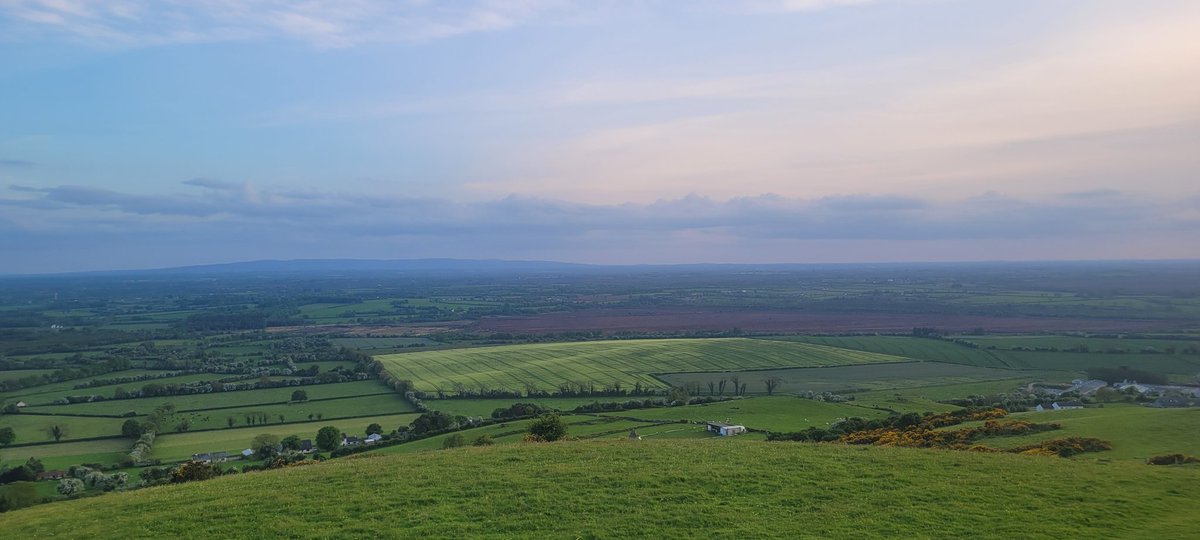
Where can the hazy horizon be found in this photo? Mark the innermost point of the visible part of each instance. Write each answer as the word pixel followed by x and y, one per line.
pixel 142 134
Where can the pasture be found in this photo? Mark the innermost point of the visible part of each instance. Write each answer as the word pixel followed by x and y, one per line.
pixel 544 366
pixel 621 489
pixel 850 379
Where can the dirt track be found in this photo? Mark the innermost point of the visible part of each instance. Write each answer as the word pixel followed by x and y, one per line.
pixel 651 320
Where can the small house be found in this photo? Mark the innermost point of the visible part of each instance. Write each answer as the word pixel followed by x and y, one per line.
pixel 22 404
pixel 306 446
pixel 351 441
pixel 374 438
pixel 247 453
pixel 211 457
pixel 723 429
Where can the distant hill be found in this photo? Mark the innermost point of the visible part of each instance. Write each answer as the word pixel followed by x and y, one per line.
pixel 719 488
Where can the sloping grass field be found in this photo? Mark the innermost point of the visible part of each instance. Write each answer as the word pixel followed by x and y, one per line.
pixel 546 365
pixel 714 488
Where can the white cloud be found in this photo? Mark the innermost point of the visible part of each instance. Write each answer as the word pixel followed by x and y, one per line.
pixel 323 23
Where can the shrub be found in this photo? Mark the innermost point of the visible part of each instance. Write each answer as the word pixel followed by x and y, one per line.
pixel 454 441
pixel 548 428
pixel 1171 459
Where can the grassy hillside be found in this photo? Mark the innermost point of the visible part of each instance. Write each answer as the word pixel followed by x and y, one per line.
pixel 716 488
pixel 546 365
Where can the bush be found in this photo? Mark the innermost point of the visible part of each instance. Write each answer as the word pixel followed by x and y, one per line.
pixel 69 486
pixel 484 440
pixel 548 428
pixel 454 441
pixel 1171 459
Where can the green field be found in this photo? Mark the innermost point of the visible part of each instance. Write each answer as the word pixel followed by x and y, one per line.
pixel 546 365
pixel 371 343
pixel 33 393
pixel 240 398
pixel 716 488
pixel 1131 345
pixel 36 428
pixel 14 374
pixel 947 351
pixel 773 413
pixel 292 412
pixel 845 379
pixel 1136 432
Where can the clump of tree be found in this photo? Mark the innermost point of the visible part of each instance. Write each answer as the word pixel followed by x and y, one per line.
pixel 7 436
pixel 518 410
pixel 192 471
pixel 328 438
pixel 1125 373
pixel 550 427
pixel 299 395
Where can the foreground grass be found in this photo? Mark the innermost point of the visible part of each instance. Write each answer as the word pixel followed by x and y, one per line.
pixel 714 488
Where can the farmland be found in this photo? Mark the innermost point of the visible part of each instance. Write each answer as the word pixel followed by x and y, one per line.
pixel 634 489
pixel 546 366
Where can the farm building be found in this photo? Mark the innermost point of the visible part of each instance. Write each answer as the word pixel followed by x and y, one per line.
pixel 306 446
pixel 213 457
pixel 247 453
pixel 374 438
pixel 351 441
pixel 723 429
pixel 52 475
pixel 22 404
pixel 1059 406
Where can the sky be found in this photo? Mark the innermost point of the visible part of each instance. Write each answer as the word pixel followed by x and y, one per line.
pixel 141 134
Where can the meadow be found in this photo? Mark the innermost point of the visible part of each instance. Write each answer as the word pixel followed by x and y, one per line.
pixel 545 366
pixel 727 488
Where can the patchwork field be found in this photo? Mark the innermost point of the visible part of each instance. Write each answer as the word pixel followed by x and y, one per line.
pixel 621 489
pixel 544 366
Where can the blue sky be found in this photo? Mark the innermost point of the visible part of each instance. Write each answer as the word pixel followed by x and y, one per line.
pixel 144 134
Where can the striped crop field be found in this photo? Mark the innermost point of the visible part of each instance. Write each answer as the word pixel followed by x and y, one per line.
pixel 544 366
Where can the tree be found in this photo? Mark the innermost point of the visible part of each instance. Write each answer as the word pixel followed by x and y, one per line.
pixel 7 436
pixel 131 429
pixel 57 432
pixel 548 428
pixel 454 441
pixel 69 486
pixel 265 445
pixel 299 395
pixel 192 470
pixel 231 421
pixel 328 438
pixel 374 428
pixel 772 383
pixel 291 443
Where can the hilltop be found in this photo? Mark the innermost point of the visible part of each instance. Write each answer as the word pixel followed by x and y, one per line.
pixel 709 488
